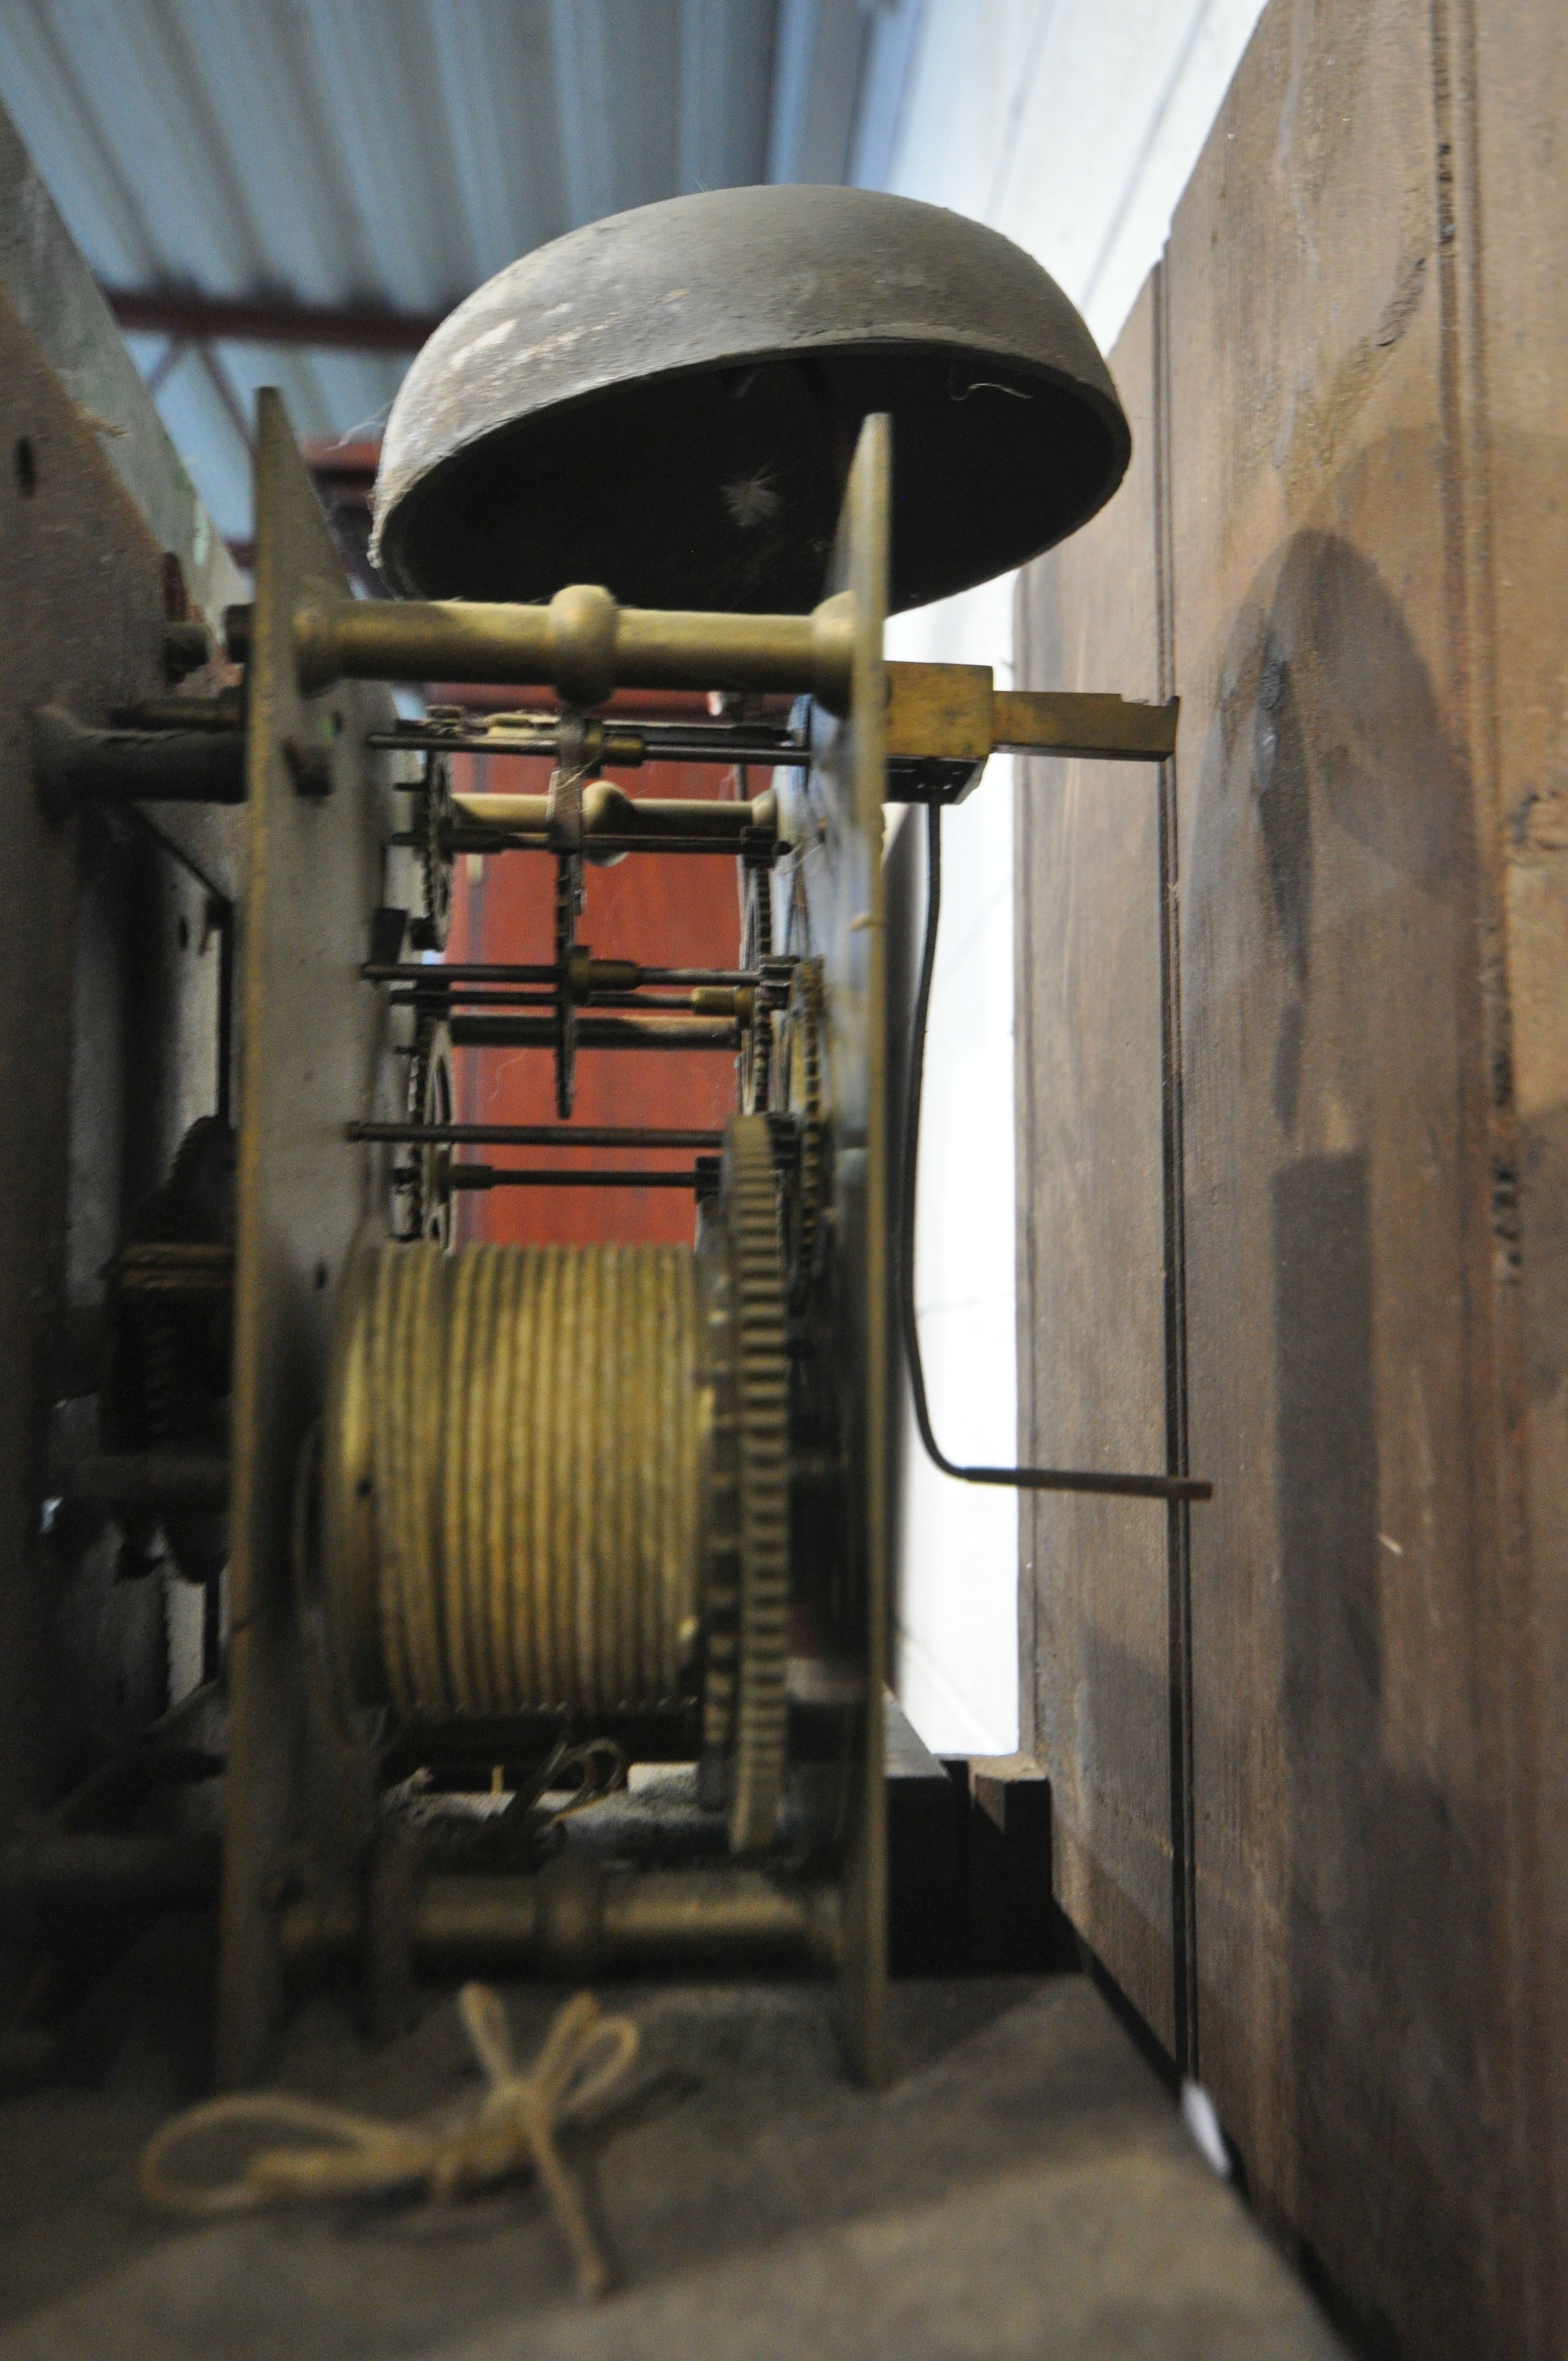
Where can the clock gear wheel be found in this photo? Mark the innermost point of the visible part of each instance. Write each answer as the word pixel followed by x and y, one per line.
pixel 431 1099
pixel 747 1714
pixel 803 1060
pixel 432 831
pixel 756 949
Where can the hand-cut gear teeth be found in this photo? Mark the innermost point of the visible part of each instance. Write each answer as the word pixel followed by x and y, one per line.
pixel 807 1015
pixel 722 1643
pixel 756 944
pixel 762 1402
pixel 432 828
pixel 427 1103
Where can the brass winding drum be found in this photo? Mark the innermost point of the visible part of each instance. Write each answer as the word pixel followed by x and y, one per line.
pixel 513 1502
pixel 555 1484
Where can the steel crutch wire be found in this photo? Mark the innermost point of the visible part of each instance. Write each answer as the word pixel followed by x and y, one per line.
pixel 1031 1479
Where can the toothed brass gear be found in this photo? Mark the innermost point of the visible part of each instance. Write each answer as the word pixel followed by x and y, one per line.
pixel 804 1043
pixel 761 1363
pixel 432 818
pixel 757 1078
pixel 431 1099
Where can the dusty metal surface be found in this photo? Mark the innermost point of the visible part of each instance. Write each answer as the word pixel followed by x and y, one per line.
pixel 317 831
pixel 1024 2189
pixel 312 1059
pixel 834 893
pixel 667 402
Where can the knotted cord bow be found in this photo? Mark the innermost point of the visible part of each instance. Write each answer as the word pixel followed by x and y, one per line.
pixel 583 2055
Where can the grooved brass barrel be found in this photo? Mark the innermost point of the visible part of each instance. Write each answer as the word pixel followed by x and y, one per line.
pixel 512 1519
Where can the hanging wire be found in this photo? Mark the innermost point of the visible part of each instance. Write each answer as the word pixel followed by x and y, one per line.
pixel 1027 1479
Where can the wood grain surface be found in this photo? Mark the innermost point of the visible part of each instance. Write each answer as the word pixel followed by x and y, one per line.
pixel 1091 1369
pixel 108 1038
pixel 1359 332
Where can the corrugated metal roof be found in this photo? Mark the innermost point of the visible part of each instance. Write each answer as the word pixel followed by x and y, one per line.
pixel 395 151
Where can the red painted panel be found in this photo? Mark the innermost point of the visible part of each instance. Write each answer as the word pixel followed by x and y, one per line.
pixel 661 909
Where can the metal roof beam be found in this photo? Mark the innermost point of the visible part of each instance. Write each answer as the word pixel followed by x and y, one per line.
pixel 818 59
pixel 218 320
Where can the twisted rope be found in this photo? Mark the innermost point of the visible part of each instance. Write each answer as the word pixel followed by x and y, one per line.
pixel 583 2055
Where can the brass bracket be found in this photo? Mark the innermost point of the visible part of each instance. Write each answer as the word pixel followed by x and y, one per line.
pixel 944 722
